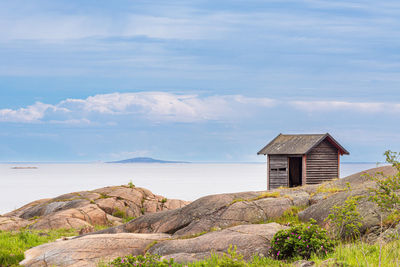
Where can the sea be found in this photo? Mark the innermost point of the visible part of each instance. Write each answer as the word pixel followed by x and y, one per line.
pixel 188 181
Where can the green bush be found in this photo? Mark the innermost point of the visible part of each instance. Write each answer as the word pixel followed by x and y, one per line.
pixel 119 213
pixel 346 220
pixel 386 194
pixel 147 260
pixel 229 259
pixel 122 214
pixel 301 241
pixel 130 184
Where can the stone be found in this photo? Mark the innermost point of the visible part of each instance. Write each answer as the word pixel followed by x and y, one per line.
pixel 249 240
pixel 360 184
pixel 331 262
pixel 303 263
pixel 88 208
pixel 12 223
pixel 89 250
pixel 215 211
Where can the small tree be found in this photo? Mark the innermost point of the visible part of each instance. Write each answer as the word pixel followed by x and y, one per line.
pixel 346 219
pixel 386 193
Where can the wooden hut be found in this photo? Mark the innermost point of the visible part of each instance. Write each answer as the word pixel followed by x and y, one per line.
pixel 300 159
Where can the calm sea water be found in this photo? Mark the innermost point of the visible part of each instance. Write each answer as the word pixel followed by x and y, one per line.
pixel 181 181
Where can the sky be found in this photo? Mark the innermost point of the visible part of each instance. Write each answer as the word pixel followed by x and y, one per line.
pixel 195 80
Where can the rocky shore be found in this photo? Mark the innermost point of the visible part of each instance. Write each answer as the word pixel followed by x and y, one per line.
pixel 177 229
pixel 108 206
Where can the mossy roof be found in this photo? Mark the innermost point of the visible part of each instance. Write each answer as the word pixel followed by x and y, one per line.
pixel 298 144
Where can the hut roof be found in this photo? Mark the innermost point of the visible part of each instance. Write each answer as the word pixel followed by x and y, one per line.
pixel 298 144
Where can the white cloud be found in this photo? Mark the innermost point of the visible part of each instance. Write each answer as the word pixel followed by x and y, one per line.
pixel 368 107
pixel 168 107
pixel 72 27
pixel 155 106
pixel 33 113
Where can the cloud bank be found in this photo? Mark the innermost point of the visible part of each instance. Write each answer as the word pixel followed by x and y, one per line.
pixel 154 106
pixel 169 107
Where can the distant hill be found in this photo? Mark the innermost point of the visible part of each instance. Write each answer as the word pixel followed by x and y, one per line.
pixel 145 160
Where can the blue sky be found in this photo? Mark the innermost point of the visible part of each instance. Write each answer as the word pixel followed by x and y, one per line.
pixel 195 80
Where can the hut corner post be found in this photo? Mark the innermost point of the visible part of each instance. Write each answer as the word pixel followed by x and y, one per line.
pixel 304 169
pixel 268 172
pixel 338 164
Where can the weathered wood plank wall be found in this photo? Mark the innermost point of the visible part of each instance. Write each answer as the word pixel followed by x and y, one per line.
pixel 278 171
pixel 322 163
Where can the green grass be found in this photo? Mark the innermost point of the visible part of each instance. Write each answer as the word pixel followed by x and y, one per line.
pixel 103 196
pixel 329 189
pixel 289 216
pixel 229 259
pixel 122 214
pixel 363 255
pixel 267 195
pixel 347 255
pixel 13 244
pixel 263 195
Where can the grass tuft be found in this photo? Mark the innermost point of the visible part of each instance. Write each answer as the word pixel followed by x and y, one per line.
pixel 14 244
pixel 325 188
pixel 289 216
pixel 122 214
pixel 263 195
pixel 267 195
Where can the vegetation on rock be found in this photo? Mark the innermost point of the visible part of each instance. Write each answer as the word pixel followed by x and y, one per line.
pixel 229 259
pixel 14 244
pixel 301 241
pixel 386 193
pixel 289 216
pixel 148 260
pixel 345 219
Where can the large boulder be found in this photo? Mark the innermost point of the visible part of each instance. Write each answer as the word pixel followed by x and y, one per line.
pixel 217 211
pixel 249 240
pixel 104 206
pixel 12 223
pixel 89 250
pixel 360 183
pixel 369 212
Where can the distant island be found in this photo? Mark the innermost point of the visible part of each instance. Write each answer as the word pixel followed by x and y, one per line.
pixel 23 168
pixel 145 160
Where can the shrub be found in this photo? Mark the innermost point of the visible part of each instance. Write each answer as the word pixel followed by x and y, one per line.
pixel 122 214
pixel 346 219
pixel 386 194
pixel 119 213
pixel 144 261
pixel 130 184
pixel 301 241
pixel 229 259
